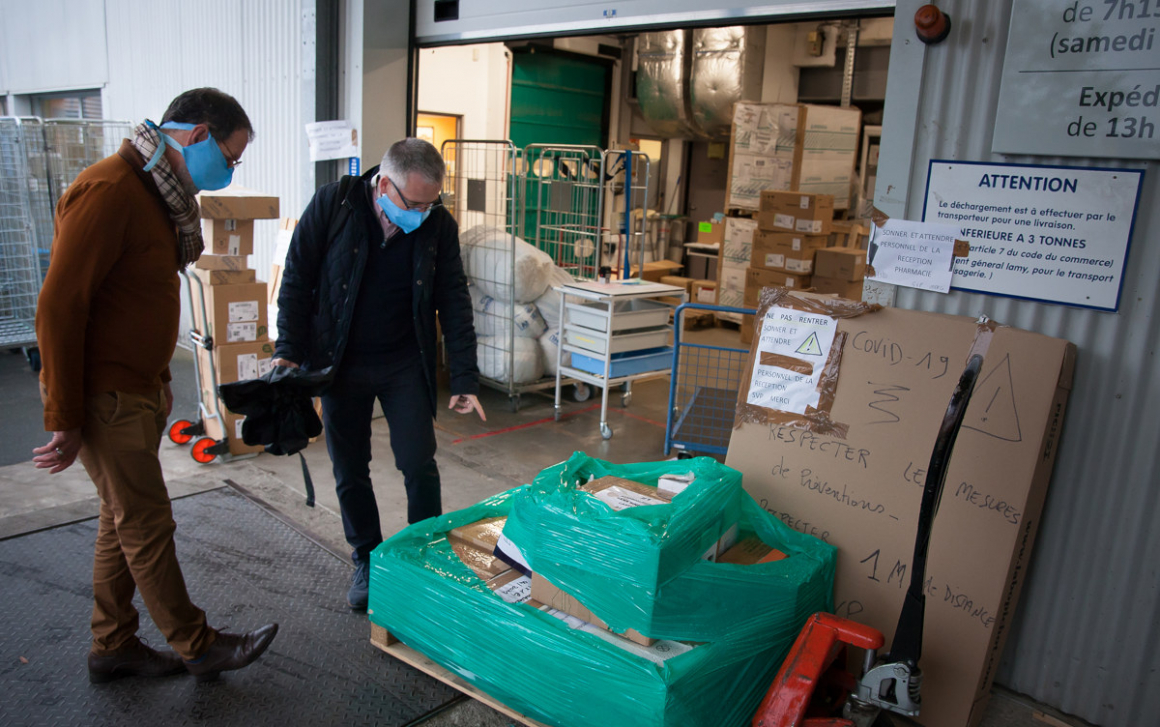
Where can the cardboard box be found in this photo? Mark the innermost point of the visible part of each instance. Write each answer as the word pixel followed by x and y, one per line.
pixel 848 289
pixel 731 288
pixel 235 313
pixel 228 236
pixel 483 563
pixel 512 586
pixel 551 596
pixel 657 269
pixel 224 277
pixel 791 147
pixel 677 280
pixel 209 261
pixel 231 362
pixel 619 493
pixel 861 491
pixel 787 251
pixel 809 214
pixel 237 203
pixel 710 233
pixel 746 330
pixel 482 534
pixel 738 244
pixel 751 551
pixel 843 263
pixel 758 278
pixel 704 291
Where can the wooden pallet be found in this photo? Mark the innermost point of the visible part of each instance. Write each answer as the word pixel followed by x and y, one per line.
pixel 383 639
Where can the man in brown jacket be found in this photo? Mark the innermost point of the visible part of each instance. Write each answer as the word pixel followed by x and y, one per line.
pixel 106 324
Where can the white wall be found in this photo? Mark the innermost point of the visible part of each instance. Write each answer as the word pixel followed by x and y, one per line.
pixel 471 81
pixel 52 45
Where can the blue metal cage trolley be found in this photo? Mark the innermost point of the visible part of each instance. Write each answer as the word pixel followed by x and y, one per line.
pixel 703 389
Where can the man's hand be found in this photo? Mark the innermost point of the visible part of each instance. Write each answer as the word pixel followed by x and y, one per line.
pixel 284 362
pixel 465 404
pixel 168 399
pixel 60 452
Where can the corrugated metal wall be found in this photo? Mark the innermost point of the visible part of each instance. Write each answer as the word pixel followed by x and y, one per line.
pixel 1087 633
pixel 259 51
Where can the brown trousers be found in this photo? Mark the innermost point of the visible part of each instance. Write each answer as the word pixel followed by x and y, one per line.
pixel 135 549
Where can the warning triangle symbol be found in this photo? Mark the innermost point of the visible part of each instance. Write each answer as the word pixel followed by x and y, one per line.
pixel 811 346
pixel 992 410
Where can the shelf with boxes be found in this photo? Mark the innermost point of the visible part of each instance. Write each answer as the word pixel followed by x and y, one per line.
pixel 230 320
pixel 616 333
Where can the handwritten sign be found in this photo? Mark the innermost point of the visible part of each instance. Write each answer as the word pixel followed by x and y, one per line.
pixel 1055 234
pixel 791 353
pixel 1081 78
pixel 914 254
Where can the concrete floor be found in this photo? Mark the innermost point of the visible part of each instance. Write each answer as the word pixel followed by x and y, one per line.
pixel 476 460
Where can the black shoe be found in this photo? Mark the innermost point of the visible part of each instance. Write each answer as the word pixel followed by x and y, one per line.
pixel 231 651
pixel 360 583
pixel 135 659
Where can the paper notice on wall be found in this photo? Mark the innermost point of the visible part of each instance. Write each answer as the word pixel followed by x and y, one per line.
pixel 791 353
pixel 332 140
pixel 915 254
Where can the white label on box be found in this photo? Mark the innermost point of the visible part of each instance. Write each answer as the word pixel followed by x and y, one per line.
pixel 706 295
pixel 796 244
pixel 789 282
pixel 791 344
pixel 265 365
pixel 235 245
pixel 774 260
pixel 805 203
pixel 238 428
pixel 786 221
pixel 619 498
pixel 247 366
pixel 799 266
pixel 236 332
pixel 230 225
pixel 518 591
pixel 243 310
pixel 658 653
pixel 810 227
pixel 673 485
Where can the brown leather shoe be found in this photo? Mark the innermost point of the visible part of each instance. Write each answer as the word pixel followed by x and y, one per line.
pixel 134 659
pixel 231 651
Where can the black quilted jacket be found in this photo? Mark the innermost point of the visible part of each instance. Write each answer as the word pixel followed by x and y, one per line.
pixel 320 285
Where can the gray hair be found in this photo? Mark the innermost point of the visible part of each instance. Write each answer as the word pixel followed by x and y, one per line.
pixel 412 156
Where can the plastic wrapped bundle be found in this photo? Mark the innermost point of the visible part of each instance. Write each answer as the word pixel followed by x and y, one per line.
pixel 488 263
pixel 570 674
pixel 549 302
pixel 495 318
pixel 549 343
pixel 496 363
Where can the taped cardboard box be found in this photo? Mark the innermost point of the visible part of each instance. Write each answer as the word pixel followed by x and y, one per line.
pixel 657 269
pixel 551 596
pixel 786 251
pixel 848 289
pixel 680 282
pixel 850 468
pixel 228 236
pixel 710 232
pixel 237 203
pixel 807 214
pixel 758 278
pixel 209 261
pixel 231 313
pixel 230 363
pixel 705 291
pixel 842 263
pixel 224 277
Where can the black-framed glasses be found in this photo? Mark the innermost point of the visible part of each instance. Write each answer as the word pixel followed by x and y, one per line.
pixel 417 206
pixel 231 161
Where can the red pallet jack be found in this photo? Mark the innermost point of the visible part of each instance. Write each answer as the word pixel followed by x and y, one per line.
pixel 813 687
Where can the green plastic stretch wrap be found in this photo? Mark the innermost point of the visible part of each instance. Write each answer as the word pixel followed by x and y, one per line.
pixel 724 628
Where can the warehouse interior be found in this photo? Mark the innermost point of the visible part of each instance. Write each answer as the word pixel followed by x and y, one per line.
pixel 572 149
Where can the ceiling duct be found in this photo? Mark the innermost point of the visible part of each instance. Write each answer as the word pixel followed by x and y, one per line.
pixel 662 88
pixel 728 65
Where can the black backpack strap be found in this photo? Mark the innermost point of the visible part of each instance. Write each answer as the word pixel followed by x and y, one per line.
pixel 341 211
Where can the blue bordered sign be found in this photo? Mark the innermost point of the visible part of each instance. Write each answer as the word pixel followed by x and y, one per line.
pixel 1048 233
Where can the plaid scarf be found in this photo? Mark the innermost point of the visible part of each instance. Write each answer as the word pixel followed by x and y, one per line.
pixel 183 208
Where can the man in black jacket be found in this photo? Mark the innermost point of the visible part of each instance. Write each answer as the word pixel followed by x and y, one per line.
pixel 364 303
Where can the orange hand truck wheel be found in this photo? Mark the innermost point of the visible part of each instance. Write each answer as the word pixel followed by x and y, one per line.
pixel 200 453
pixel 176 435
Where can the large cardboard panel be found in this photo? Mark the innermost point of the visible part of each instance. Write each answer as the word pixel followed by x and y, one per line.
pixel 231 313
pixel 860 491
pixel 237 203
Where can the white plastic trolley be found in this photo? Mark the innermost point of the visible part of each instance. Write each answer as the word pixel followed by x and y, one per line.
pixel 615 333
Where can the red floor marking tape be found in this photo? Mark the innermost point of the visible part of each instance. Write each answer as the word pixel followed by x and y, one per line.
pixel 545 420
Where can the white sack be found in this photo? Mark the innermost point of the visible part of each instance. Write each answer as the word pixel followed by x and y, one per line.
pixel 487 260
pixel 492 317
pixel 494 359
pixel 549 302
pixel 549 342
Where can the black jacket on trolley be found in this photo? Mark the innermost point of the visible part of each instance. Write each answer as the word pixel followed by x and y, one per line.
pixel 320 285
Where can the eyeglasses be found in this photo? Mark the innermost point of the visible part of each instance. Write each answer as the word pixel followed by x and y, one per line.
pixel 231 161
pixel 417 206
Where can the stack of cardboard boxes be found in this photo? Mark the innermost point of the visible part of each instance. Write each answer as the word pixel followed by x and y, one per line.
pixel 229 305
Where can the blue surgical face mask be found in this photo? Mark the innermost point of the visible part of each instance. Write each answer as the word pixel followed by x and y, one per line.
pixel 204 160
pixel 407 220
